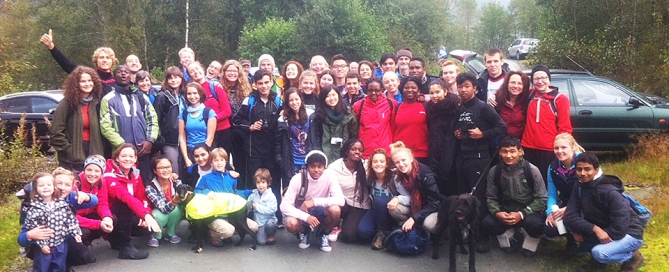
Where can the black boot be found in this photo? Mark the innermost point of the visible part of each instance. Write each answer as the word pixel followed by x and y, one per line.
pixel 483 244
pixel 132 253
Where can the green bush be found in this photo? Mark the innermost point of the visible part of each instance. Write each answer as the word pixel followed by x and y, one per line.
pixel 18 163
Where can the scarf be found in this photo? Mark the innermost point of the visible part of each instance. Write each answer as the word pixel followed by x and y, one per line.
pixel 192 109
pixel 172 98
pixel 334 118
pixel 409 182
pixel 86 100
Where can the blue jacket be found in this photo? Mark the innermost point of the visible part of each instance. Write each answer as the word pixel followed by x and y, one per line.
pixel 124 118
pixel 219 182
pixel 266 208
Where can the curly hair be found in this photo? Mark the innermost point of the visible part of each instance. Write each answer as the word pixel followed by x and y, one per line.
pixel 72 90
pixel 109 52
pixel 242 84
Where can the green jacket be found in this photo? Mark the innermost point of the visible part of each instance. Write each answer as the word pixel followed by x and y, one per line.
pixel 512 193
pixel 323 131
pixel 67 128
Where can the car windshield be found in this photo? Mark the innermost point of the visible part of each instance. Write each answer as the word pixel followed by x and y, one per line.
pixel 476 62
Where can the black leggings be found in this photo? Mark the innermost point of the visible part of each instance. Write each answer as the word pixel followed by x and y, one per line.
pixel 125 225
pixel 351 219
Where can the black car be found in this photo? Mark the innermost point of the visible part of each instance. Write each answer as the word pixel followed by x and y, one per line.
pixel 38 108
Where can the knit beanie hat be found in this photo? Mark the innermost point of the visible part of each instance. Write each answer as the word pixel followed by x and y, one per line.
pixel 266 57
pixel 538 68
pixel 95 160
pixel 404 53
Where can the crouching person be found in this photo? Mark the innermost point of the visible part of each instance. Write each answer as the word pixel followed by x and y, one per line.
pixel 263 204
pixel 317 206
pixel 516 198
pixel 599 217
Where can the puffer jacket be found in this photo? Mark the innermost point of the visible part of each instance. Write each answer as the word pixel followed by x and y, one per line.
pixel 601 203
pixel 512 193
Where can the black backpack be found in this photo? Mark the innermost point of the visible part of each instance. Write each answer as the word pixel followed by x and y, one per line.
pixel 205 116
pixel 526 170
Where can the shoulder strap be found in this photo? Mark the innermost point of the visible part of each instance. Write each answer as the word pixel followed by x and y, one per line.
pixel 205 115
pixel 300 198
pixel 212 88
pixel 391 109
pixel 184 116
pixel 390 103
pixel 528 176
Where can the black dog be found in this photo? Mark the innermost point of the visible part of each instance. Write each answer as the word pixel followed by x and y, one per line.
pixel 237 219
pixel 459 214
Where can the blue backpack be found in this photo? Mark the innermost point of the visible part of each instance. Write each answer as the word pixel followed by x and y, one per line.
pixel 252 103
pixel 410 243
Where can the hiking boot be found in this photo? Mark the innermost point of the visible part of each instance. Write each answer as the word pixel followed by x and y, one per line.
pixel 130 252
pixel 634 263
pixel 572 246
pixel 304 240
pixel 334 234
pixel 153 242
pixel 377 243
pixel 592 265
pixel 483 244
pixel 325 243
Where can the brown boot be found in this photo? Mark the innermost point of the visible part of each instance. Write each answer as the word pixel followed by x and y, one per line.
pixel 634 263
pixel 377 243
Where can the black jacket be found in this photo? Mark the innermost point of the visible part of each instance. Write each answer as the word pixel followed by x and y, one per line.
pixel 442 118
pixel 284 148
pixel 425 87
pixel 167 109
pixel 259 144
pixel 482 82
pixel 478 114
pixel 600 202
pixel 427 184
pixel 563 184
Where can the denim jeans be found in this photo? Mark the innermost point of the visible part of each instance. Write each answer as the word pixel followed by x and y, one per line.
pixel 617 251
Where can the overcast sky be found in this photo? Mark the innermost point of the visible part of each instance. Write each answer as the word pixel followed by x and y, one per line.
pixel 502 2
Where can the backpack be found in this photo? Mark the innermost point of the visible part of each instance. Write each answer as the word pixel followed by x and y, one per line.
pixel 205 116
pixel 252 103
pixel 299 199
pixel 410 243
pixel 551 102
pixel 212 88
pixel 390 103
pixel 526 169
pixel 641 211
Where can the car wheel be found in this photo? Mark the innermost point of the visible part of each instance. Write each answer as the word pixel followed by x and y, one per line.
pixel 517 55
pixel 508 54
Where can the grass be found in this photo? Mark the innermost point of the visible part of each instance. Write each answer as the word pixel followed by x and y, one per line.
pixel 10 260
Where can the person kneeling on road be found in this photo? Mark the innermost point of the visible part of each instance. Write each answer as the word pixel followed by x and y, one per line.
pixel 314 203
pixel 516 196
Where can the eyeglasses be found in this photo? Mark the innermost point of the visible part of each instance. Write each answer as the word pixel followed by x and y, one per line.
pixel 374 90
pixel 535 79
pixel 231 71
pixel 164 168
pixel 338 66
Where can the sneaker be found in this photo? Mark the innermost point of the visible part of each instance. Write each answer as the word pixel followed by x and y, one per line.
pixel 325 243
pixel 174 239
pixel 304 240
pixel 153 242
pixel 334 234
pixel 377 243
pixel 529 254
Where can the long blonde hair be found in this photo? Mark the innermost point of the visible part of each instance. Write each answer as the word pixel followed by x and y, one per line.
pixel 242 83
pixel 570 139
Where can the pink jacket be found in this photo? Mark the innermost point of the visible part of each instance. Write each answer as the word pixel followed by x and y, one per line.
pixel 128 190
pixel 102 209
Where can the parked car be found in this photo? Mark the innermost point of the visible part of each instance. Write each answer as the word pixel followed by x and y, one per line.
pixel 605 113
pixel 521 47
pixel 38 107
pixel 475 62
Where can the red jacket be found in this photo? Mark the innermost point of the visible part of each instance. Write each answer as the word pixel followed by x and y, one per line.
pixel 542 123
pixel 119 186
pixel 102 209
pixel 514 117
pixel 221 107
pixel 410 127
pixel 375 129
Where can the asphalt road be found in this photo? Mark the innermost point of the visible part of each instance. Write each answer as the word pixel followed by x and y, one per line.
pixel 286 256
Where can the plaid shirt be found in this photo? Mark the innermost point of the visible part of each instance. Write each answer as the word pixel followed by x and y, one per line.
pixel 157 196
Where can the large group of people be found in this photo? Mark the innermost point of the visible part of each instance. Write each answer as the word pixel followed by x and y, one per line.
pixel 343 150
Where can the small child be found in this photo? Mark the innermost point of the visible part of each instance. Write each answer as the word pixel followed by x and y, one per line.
pixel 48 209
pixel 264 205
pixel 221 181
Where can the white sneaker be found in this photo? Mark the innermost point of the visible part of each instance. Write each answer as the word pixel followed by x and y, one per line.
pixel 325 243
pixel 334 234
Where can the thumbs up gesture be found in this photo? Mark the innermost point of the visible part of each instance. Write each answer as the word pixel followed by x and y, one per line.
pixel 47 40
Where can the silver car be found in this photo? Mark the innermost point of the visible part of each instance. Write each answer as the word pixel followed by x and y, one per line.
pixel 521 47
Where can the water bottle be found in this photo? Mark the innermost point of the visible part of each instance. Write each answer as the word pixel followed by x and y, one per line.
pixel 560 225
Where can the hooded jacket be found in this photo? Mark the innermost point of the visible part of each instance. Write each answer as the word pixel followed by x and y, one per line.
pixel 124 118
pixel 322 131
pixel 259 144
pixel 347 182
pixel 99 189
pixel 543 124
pixel 127 190
pixel 512 193
pixel 601 203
